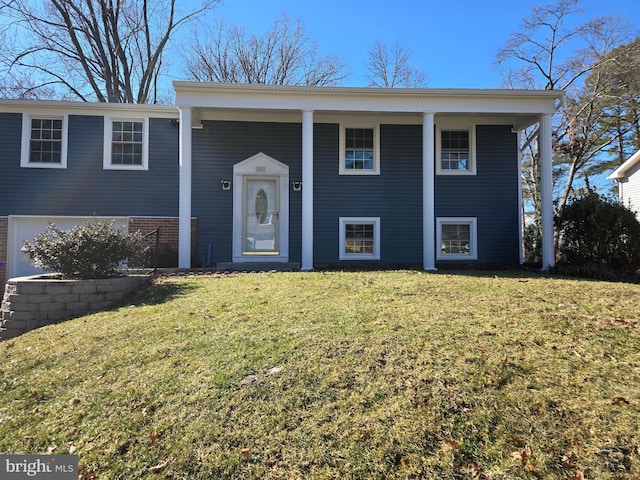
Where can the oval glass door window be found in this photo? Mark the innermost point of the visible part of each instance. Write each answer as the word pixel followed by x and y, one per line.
pixel 262 207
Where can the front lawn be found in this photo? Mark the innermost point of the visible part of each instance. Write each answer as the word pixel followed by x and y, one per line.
pixel 342 375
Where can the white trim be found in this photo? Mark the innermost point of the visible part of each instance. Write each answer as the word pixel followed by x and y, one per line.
pixel 471 128
pixel 342 170
pixel 108 129
pixel 375 221
pixel 25 151
pixel 473 247
pixel 88 108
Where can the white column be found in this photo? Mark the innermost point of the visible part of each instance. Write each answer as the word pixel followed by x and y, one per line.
pixel 307 190
pixel 546 187
pixel 428 193
pixel 184 202
pixel 520 200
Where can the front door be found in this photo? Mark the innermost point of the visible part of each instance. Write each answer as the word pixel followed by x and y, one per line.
pixel 261 210
pixel 260 215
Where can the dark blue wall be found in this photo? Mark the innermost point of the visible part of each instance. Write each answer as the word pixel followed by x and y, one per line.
pixel 217 147
pixel 84 187
pixel 395 195
pixel 491 195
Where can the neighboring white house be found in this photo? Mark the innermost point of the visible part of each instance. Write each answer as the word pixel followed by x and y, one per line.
pixel 627 177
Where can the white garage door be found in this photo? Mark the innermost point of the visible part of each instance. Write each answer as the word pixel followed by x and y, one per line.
pixel 24 228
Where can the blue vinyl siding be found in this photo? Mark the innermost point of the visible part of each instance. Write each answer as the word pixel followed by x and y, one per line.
pixel 491 195
pixel 84 187
pixel 217 147
pixel 395 195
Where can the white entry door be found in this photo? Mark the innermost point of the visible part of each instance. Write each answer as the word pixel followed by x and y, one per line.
pixel 260 210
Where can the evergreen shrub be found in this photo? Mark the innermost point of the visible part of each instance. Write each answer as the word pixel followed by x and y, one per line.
pixel 96 249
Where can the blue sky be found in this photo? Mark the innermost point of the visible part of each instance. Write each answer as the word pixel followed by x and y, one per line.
pixel 454 42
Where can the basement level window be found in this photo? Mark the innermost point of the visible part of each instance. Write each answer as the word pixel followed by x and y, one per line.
pixel 359 238
pixel 457 238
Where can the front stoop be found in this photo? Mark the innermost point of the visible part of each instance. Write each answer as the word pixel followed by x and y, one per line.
pixel 257 266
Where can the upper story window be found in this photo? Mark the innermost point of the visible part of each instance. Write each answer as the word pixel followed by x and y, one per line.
pixel 455 151
pixel 359 151
pixel 126 144
pixel 44 141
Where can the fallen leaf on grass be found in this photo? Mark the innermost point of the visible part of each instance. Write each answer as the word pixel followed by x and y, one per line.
pixel 522 455
pixel 405 462
pixel 619 400
pixel 245 452
pixel 452 443
pixel 579 475
pixel 154 438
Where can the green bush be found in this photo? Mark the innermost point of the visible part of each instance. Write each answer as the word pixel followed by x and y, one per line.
pixel 95 249
pixel 597 232
pixel 532 245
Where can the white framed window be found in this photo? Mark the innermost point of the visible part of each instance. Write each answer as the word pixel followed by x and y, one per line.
pixel 455 150
pixel 44 141
pixel 126 143
pixel 359 150
pixel 359 238
pixel 457 238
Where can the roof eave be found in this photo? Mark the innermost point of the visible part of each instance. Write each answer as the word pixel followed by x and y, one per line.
pixel 622 170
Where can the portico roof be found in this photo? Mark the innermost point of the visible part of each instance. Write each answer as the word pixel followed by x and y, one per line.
pixel 521 107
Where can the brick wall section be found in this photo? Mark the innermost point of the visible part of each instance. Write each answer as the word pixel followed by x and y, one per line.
pixel 33 302
pixel 4 239
pixel 168 240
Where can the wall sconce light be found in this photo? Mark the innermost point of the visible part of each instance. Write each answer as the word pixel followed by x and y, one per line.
pixel 297 185
pixel 226 184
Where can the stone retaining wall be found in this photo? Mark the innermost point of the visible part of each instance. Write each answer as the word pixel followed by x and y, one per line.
pixel 33 302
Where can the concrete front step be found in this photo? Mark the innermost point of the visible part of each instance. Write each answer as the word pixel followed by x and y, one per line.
pixel 257 266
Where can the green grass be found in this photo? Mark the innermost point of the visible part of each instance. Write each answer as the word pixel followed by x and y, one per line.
pixel 345 375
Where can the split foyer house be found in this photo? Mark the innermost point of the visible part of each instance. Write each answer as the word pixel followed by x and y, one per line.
pixel 627 176
pixel 304 176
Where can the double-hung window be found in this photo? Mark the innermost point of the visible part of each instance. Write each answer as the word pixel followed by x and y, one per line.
pixel 455 151
pixel 359 150
pixel 126 144
pixel 457 238
pixel 44 141
pixel 359 238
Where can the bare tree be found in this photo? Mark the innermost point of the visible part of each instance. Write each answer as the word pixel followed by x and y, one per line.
pixel 388 67
pixel 284 55
pixel 107 50
pixel 552 52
